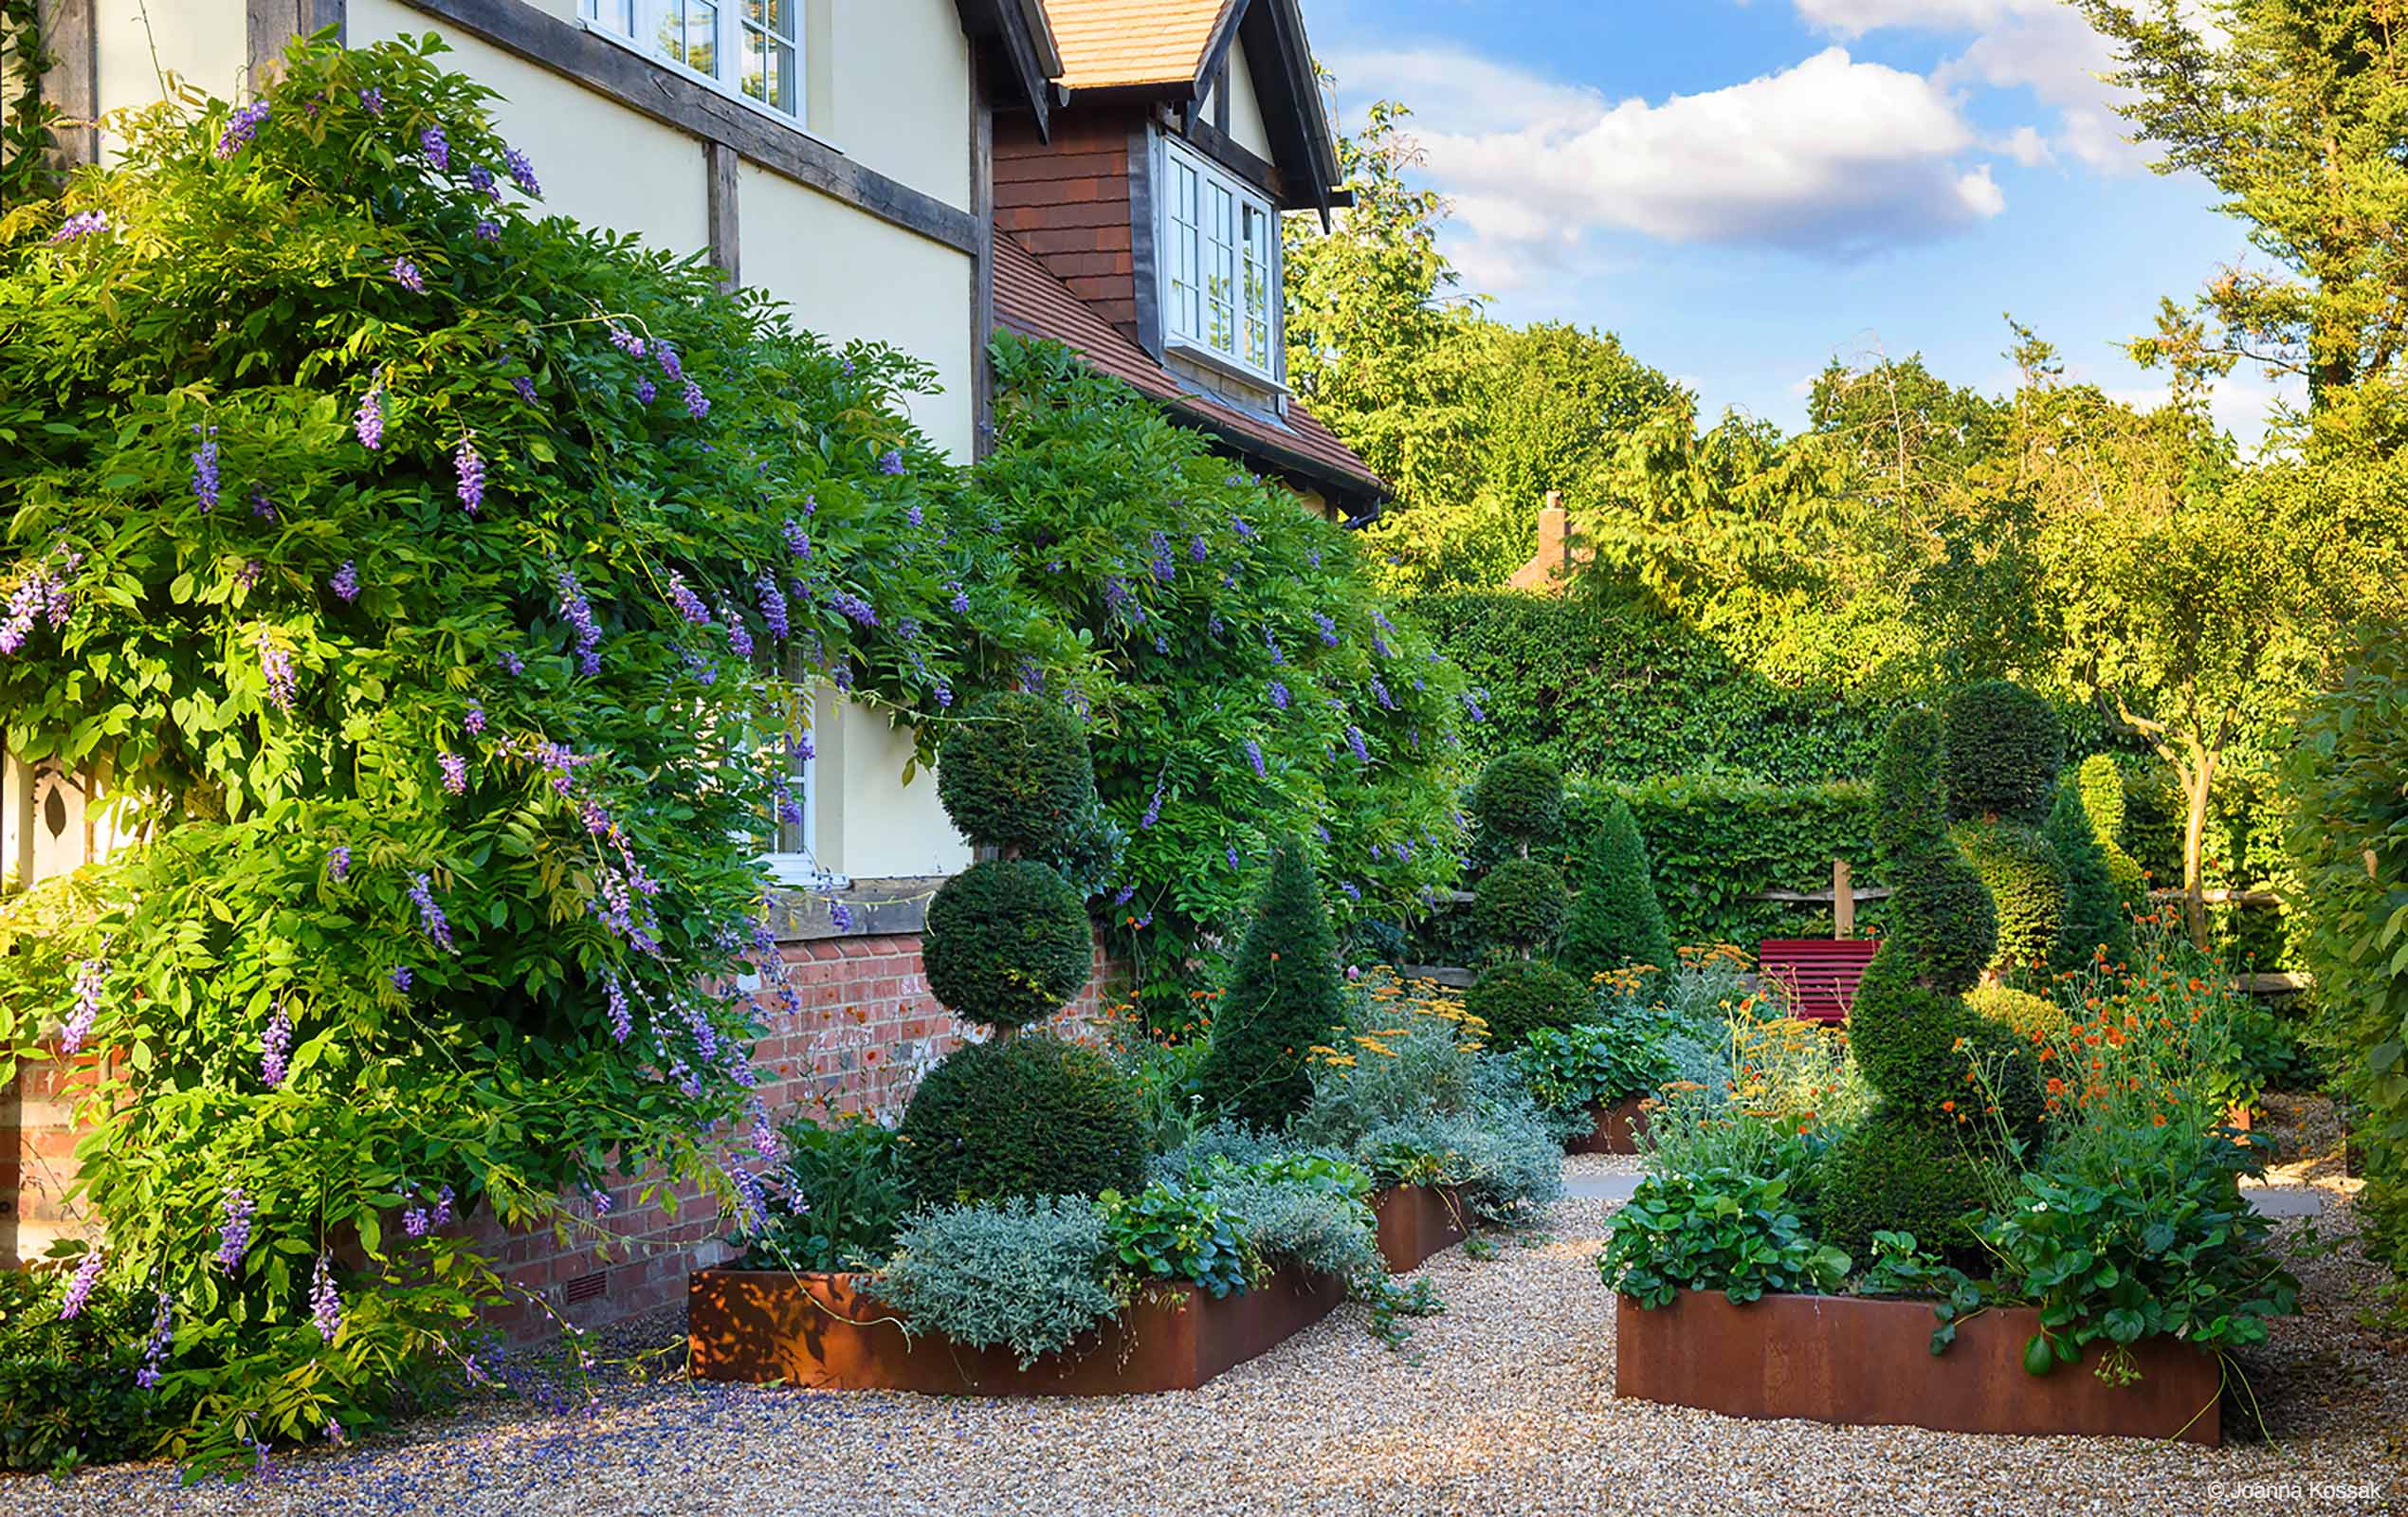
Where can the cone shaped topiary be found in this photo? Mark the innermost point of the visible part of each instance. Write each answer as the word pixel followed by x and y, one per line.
pixel 1519 905
pixel 1942 925
pixel 1616 920
pixel 2093 918
pixel 1008 943
pixel 1015 773
pixel 1284 996
pixel 2003 747
pixel 1031 1115
pixel 2102 786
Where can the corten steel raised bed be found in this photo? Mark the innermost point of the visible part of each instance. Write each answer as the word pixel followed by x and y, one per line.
pixel 823 1331
pixel 1417 1221
pixel 1613 1129
pixel 1854 1360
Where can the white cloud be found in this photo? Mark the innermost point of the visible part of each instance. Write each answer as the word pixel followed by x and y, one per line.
pixel 2027 146
pixel 1853 18
pixel 1831 156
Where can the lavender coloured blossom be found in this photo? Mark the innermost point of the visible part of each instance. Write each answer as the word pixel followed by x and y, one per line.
pixel 339 863
pixel 472 476
pixel 441 1215
pixel 431 918
pixel 80 225
pixel 91 980
pixel 275 1048
pixel 1379 646
pixel 665 355
pixel 698 405
pixel 1328 629
pixel 475 721
pixel 891 461
pixel 797 541
pixel 413 1221
pixel 1153 809
pixel 580 615
pixel 771 602
pixel 1354 891
pixel 480 180
pixel 204 480
pixel 740 637
pixel 88 1274
pixel 241 127
pixel 944 696
pixel 455 773
pixel 623 339
pixel 234 1228
pixel 622 1018
pixel 854 606
pixel 325 1302
pixel 840 916
pixel 1379 693
pixel 1231 853
pixel 1245 528
pixel 406 275
pixel 689 605
pixel 276 666
pixel 521 173
pixel 373 101
pixel 162 1338
pixel 524 386
pixel 261 505
pixel 645 391
pixel 1196 550
pixel 1355 741
pixel 401 977
pixel 370 421
pixel 437 148
pixel 1254 757
pixel 488 231
pixel 511 661
pixel 249 574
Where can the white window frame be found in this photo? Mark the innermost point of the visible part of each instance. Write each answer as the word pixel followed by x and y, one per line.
pixel 1185 253
pixel 603 18
pixel 799 867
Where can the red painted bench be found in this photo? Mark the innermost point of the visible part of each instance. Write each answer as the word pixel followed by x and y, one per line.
pixel 1817 975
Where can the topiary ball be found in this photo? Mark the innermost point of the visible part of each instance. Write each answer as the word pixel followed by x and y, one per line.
pixel 1942 920
pixel 1008 943
pixel 1518 797
pixel 1015 773
pixel 1520 903
pixel 2004 746
pixel 1888 1175
pixel 1031 1115
pixel 1518 997
pixel 2027 887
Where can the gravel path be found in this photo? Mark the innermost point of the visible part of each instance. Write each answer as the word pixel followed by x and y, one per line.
pixel 1505 1407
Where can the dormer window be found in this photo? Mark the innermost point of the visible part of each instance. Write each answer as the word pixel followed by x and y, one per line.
pixel 747 48
pixel 1218 274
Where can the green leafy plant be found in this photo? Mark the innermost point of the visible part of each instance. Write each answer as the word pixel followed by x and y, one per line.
pixel 1016 773
pixel 1168 1231
pixel 1519 905
pixel 2094 918
pixel 2026 885
pixel 1518 799
pixel 1283 999
pixel 1028 1115
pixel 1591 1063
pixel 1716 1230
pixel 2100 784
pixel 68 1389
pixel 1943 924
pixel 1615 920
pixel 840 1195
pixel 1029 1275
pixel 1008 943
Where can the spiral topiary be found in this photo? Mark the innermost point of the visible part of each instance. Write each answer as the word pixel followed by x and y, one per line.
pixel 1520 996
pixel 1015 773
pixel 1031 1115
pixel 1519 800
pixel 1616 920
pixel 1008 943
pixel 1943 924
pixel 2004 746
pixel 2027 887
pixel 1888 1175
pixel 1519 905
pixel 1284 996
pixel 2093 918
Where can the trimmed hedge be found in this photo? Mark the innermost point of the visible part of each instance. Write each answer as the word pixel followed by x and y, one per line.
pixel 1008 943
pixel 1887 1174
pixel 1520 905
pixel 2017 1011
pixel 1518 997
pixel 2100 780
pixel 2093 916
pixel 1030 1115
pixel 2004 746
pixel 2027 887
pixel 1616 919
pixel 1015 773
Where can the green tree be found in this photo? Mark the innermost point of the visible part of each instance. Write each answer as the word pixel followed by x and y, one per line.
pixel 1615 919
pixel 2093 914
pixel 1284 996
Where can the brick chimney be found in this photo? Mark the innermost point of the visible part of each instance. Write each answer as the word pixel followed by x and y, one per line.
pixel 1552 564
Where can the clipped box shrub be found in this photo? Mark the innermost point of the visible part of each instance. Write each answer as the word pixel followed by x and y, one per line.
pixel 1519 905
pixel 2101 783
pixel 1616 920
pixel 1008 943
pixel 2093 917
pixel 2018 1010
pixel 2004 746
pixel 1519 996
pixel 1519 798
pixel 1015 773
pixel 1028 1115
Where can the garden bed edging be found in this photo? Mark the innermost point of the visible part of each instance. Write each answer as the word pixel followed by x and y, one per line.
pixel 1417 1221
pixel 826 1332
pixel 1861 1361
pixel 1613 1129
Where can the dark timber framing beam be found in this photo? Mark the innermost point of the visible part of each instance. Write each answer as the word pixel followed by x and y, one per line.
pixel 726 225
pixel 268 24
pixel 619 74
pixel 1145 270
pixel 72 83
pixel 982 262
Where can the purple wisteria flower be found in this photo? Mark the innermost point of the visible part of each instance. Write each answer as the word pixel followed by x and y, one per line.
pixel 623 339
pixel 480 180
pixel 455 773
pixel 1471 707
pixel 487 230
pixel 406 275
pixel 335 1431
pixel 471 469
pixel 521 173
pixel 698 405
pixel 431 918
pixel 944 695
pixel 1196 550
pixel 853 606
pixel 797 541
pixel 80 225
pixel 261 505
pixel 339 863
pixel 241 127
pixel 1379 693
pixel 248 575
pixel 740 637
pixel 1231 853
pixel 162 1338
pixel 325 1302
pixel 688 604
pixel 437 148
pixel 891 461
pixel 373 101
pixel 441 1215
pixel 645 391
pixel 234 1228
pixel 276 666
pixel 524 385
pixel 204 480
pixel 370 421
pixel 91 980
pixel 665 355
pixel 1355 741
pixel 475 721
pixel 840 916
pixel 88 1274
pixel 1279 696
pixel 275 1048
pixel 1153 809
pixel 1354 891
pixel 413 1220
pixel 580 615
pixel 1245 528
pixel 772 601
pixel 622 1016
pixel 1328 629
pixel 915 516
pixel 401 977
pixel 1254 757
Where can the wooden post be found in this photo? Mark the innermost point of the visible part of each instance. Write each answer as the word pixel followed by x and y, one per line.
pixel 1843 902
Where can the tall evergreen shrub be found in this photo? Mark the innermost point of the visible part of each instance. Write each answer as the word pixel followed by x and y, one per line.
pixel 2101 783
pixel 2003 748
pixel 2093 917
pixel 1284 996
pixel 1615 920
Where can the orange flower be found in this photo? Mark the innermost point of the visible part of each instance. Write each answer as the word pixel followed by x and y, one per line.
pixel 1947 1105
pixel 2159 1120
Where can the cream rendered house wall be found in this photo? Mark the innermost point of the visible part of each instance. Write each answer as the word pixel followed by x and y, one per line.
pixel 889 86
pixel 1246 126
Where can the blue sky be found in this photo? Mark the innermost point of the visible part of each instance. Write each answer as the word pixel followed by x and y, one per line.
pixel 1743 188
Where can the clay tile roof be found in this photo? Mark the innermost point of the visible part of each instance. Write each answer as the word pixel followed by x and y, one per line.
pixel 1029 301
pixel 1107 42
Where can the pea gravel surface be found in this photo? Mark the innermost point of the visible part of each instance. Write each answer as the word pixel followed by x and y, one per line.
pixel 1504 1405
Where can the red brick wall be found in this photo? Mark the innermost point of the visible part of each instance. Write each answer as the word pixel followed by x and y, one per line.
pixel 1068 200
pixel 865 1031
